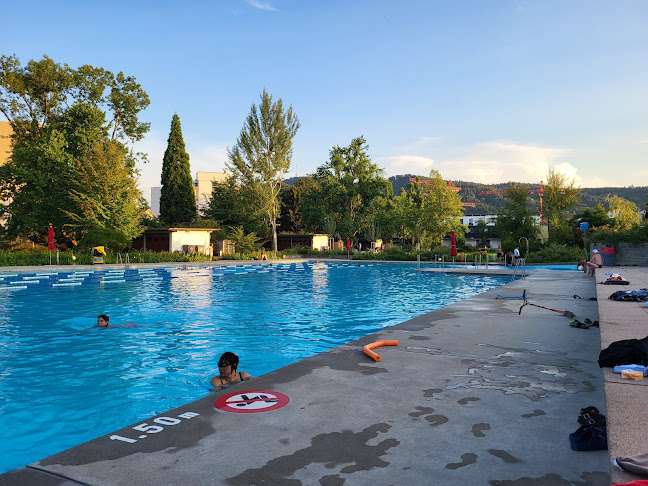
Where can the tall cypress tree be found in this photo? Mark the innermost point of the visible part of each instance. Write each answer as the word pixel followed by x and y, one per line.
pixel 177 197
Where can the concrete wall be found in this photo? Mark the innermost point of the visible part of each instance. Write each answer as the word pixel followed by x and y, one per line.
pixel 155 200
pixel 190 237
pixel 628 254
pixel 5 151
pixel 320 242
pixel 5 141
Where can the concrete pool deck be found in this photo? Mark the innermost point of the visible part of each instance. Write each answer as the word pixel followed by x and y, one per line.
pixel 473 394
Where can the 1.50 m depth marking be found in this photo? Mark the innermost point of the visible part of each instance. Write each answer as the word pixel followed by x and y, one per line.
pixel 154 429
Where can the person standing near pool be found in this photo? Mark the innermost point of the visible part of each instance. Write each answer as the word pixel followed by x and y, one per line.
pixel 228 376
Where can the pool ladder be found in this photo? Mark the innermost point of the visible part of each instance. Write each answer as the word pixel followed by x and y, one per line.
pixel 118 259
pixel 519 267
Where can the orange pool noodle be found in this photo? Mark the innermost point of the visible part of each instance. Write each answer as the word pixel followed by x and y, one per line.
pixel 367 348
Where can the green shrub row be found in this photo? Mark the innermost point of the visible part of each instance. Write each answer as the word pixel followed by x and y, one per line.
pixel 553 253
pixel 638 234
pixel 25 257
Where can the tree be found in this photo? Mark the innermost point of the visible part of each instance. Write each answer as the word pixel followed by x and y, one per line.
pixel 428 211
pixel 441 209
pixel 177 197
pixel 243 243
pixel 626 213
pixel 232 206
pixel 296 207
pixel 344 189
pixel 409 204
pixel 68 124
pixel 481 229
pixel 105 194
pixel 261 157
pixel 514 220
pixel 560 195
pixel 596 217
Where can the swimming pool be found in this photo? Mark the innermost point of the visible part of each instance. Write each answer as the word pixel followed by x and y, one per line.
pixel 62 385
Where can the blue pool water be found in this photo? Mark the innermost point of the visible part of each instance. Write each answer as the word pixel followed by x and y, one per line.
pixel 62 385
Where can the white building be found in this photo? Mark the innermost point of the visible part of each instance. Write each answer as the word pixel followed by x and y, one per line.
pixel 155 200
pixel 202 184
pixel 472 220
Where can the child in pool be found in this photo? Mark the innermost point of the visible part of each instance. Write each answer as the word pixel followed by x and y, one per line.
pixel 228 376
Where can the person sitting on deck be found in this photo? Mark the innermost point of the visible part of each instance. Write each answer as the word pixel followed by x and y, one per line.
pixel 228 376
pixel 595 262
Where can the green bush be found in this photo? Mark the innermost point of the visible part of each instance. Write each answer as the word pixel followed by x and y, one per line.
pixel 555 253
pixel 236 256
pixel 394 253
pixel 108 238
pixel 638 234
pixel 38 256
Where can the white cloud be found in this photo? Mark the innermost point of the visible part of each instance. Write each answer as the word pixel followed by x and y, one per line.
pixel 208 157
pixel 493 162
pixel 488 163
pixel 261 5
pixel 570 172
pixel 405 164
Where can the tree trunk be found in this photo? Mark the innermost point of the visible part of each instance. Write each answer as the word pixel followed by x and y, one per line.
pixel 274 238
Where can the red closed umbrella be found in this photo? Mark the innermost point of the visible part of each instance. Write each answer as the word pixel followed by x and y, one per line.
pixel 348 244
pixel 453 244
pixel 50 239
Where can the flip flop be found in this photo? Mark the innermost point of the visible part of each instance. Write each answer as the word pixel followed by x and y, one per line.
pixel 579 324
pixel 589 322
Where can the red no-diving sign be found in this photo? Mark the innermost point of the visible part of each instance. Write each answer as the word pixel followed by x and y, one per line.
pixel 251 401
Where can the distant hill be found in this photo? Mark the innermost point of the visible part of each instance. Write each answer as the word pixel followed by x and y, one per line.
pixel 490 203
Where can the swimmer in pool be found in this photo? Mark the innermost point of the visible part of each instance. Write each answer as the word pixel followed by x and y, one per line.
pixel 102 323
pixel 228 375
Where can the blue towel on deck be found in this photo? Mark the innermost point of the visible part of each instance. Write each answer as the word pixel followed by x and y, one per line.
pixel 633 367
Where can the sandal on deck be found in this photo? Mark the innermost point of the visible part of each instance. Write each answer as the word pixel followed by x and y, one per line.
pixel 577 323
pixel 592 416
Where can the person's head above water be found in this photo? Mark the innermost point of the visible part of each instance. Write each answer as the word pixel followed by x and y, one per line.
pixel 102 320
pixel 228 359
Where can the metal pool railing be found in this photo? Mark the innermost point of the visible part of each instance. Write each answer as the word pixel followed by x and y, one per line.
pixel 519 268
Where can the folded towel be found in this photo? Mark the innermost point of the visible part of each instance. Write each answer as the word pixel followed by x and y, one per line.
pixel 637 464
pixel 632 367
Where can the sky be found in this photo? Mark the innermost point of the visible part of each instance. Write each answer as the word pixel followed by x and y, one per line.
pixel 481 91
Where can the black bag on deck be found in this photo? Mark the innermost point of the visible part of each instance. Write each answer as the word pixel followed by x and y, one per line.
pixel 627 351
